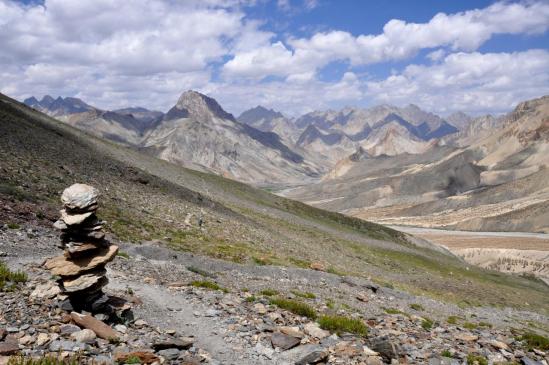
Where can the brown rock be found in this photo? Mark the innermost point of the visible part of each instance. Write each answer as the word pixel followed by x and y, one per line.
pixel 180 344
pixel 62 266
pixel 78 250
pixel 3 333
pixel 8 348
pixel 74 219
pixel 146 357
pixel 283 341
pixel 466 337
pixel 362 297
pixel 92 280
pixel 318 266
pixel 100 328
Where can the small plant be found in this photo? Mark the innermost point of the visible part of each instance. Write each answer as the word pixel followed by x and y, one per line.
pixel 476 360
pixel 123 254
pixel 200 272
pixel 208 285
pixel 416 307
pixel 394 311
pixel 333 270
pixel 330 304
pixel 9 279
pixel 251 299
pixel 295 307
pixel 129 291
pixel 133 360
pixel 13 226
pixel 446 353
pixel 427 324
pixel 485 324
pixel 307 295
pixel 261 261
pixel 341 324
pixel 47 360
pixel 535 341
pixel 470 325
pixel 452 319
pixel 268 292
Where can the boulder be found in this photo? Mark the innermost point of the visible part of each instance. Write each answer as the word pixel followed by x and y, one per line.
pixel 62 266
pixel 283 341
pixel 80 197
pixel 100 328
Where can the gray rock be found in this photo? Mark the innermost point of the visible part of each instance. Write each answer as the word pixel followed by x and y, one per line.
pixel 310 354
pixel 80 197
pixel 68 329
pixel 64 345
pixel 527 361
pixel 84 336
pixel 283 341
pixel 169 354
pixel 181 344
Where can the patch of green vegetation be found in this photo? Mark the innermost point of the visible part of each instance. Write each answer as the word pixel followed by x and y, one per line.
pixel 10 279
pixel 470 325
pixel 133 360
pixel 208 285
pixel 123 254
pixel 12 225
pixel 17 192
pixel 476 360
pixel 330 304
pixel 251 299
pixel 262 261
pixel 394 311
pixel 535 341
pixel 306 295
pixel 446 353
pixel 342 324
pixel 201 272
pixel 417 307
pixel 304 264
pixel 268 292
pixel 296 307
pixel 452 319
pixel 46 360
pixel 333 270
pixel 427 324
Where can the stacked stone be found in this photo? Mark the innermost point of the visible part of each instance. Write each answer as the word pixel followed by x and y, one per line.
pixel 81 270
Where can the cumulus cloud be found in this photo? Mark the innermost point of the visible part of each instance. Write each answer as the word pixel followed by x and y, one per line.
pixel 475 82
pixel 400 40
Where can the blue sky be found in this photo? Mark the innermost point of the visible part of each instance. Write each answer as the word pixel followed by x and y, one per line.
pixel 291 55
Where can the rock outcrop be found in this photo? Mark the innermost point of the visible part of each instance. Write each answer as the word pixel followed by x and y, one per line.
pixel 81 269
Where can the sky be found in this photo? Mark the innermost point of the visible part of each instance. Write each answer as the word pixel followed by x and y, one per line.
pixel 294 56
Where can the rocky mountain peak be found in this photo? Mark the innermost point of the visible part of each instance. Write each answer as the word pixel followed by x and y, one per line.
pixel 259 113
pixel 200 106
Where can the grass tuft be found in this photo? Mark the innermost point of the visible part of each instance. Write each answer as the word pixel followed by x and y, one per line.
pixel 342 324
pixel 535 341
pixel 295 307
pixel 268 292
pixel 417 307
pixel 476 360
pixel 306 295
pixel 452 320
pixel 46 360
pixel 208 285
pixel 427 324
pixel 123 254
pixel 200 272
pixel 9 279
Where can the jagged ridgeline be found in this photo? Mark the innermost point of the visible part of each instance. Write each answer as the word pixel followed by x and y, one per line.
pixel 147 199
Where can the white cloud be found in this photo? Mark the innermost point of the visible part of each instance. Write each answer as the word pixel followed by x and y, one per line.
pixel 400 40
pixel 472 82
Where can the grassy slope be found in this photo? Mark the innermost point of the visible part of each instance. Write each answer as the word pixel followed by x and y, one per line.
pixel 148 199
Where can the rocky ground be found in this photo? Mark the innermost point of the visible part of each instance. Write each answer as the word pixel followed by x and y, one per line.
pixel 180 317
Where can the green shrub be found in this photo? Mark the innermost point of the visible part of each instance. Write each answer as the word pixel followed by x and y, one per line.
pixel 330 304
pixel 123 254
pixel 133 360
pixel 268 292
pixel 416 307
pixel 427 324
pixel 47 360
pixel 394 311
pixel 306 295
pixel 476 360
pixel 341 324
pixel 296 307
pixel 452 319
pixel 535 341
pixel 470 325
pixel 446 353
pixel 13 226
pixel 12 278
pixel 251 299
pixel 208 285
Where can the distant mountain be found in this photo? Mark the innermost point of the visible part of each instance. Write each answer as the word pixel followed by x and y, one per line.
pixel 268 120
pixel 460 120
pixel 198 133
pixel 124 125
pixel 498 181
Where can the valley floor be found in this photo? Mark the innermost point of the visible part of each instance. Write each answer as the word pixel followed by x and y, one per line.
pixel 515 252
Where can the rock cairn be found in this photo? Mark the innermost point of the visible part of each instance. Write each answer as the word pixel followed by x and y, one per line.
pixel 81 269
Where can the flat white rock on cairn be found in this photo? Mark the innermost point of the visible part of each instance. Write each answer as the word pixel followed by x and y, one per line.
pixel 81 269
